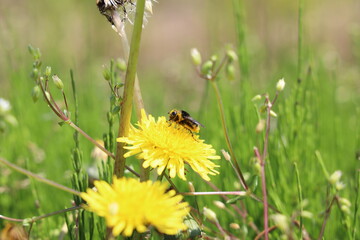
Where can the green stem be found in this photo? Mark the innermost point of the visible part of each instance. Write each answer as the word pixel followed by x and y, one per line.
pixel 319 158
pixel 300 198
pixel 356 207
pixel 37 177
pixel 129 88
pixel 34 219
pixel 236 193
pixel 222 114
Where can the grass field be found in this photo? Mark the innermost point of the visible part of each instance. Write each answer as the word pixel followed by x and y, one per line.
pixel 314 46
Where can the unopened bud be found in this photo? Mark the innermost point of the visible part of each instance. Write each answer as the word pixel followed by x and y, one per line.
pixel 35 94
pixel 219 204
pixel 191 187
pixel 280 85
pixel 273 114
pixel 257 167
pixel 335 177
pixel 48 71
pixel 256 98
pixel 260 126
pixel 307 214
pixel 226 155
pixel 345 209
pixel 339 186
pixel 35 72
pixel 230 72
pixel 214 58
pixel 58 83
pixel 195 56
pixel 281 221
pixel 234 226
pixel 232 55
pixel 207 67
pixel 106 73
pixel 121 64
pixel 209 214
pixel 345 201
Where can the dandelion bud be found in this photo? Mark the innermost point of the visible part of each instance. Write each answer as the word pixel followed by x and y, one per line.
pixel 273 114
pixel 48 71
pixel 191 187
pixel 226 155
pixel 232 55
pixel 219 204
pixel 207 67
pixel 335 177
pixel 35 94
pixel 230 72
pixel 195 56
pixel 260 126
pixel 209 214
pixel 280 85
pixel 256 98
pixel 234 226
pixel 58 83
pixel 121 64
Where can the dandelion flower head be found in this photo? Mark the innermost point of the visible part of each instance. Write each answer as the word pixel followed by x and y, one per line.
pixel 165 145
pixel 129 205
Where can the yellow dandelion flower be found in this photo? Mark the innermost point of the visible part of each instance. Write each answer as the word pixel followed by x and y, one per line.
pixel 169 146
pixel 129 205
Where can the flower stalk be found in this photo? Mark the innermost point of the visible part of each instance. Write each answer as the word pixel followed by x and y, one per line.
pixel 139 103
pixel 126 109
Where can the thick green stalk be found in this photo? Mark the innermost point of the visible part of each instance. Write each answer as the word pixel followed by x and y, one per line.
pixel 139 103
pixel 129 88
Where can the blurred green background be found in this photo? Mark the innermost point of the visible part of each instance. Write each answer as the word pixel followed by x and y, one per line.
pixel 73 35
